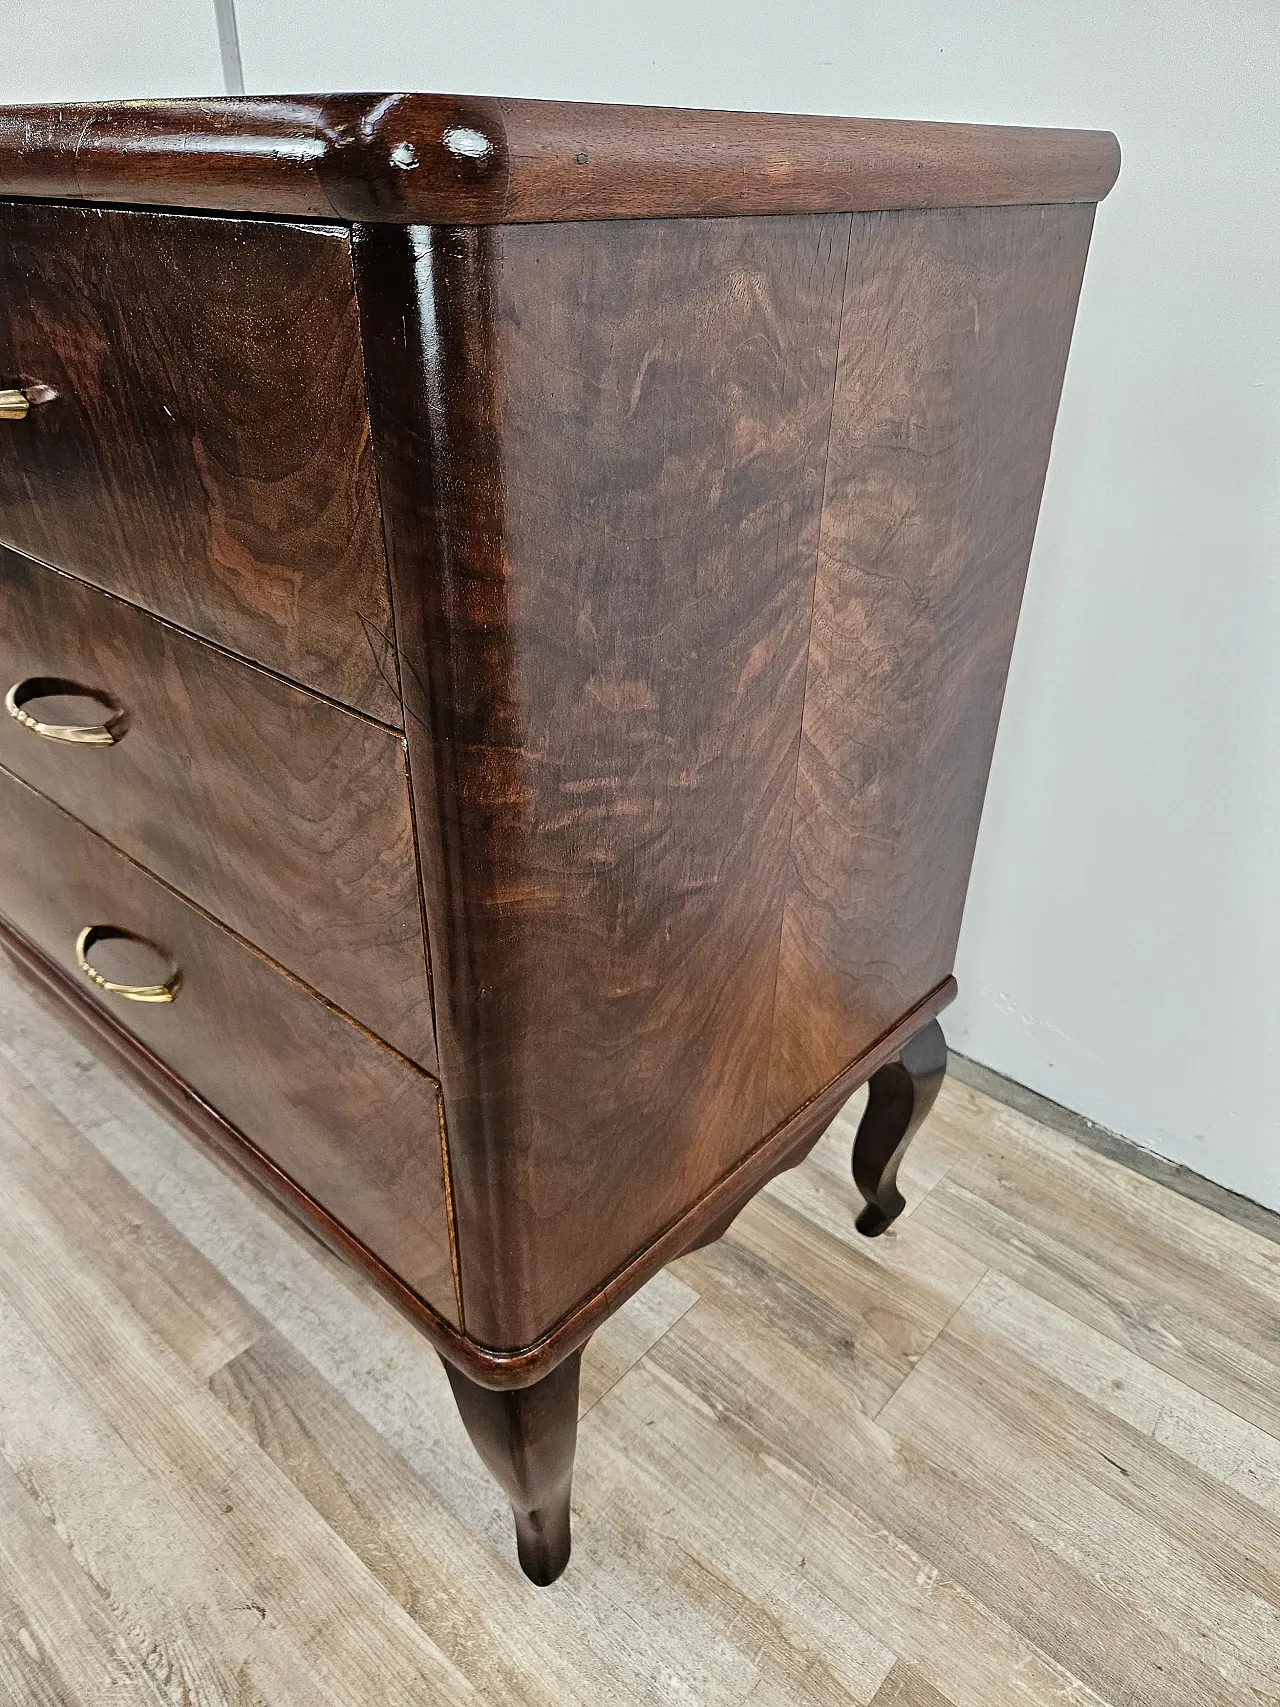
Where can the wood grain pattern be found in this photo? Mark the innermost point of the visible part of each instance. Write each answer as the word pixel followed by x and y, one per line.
pixel 178 1295
pixel 889 1506
pixel 283 815
pixel 455 159
pixel 953 343
pixel 55 988
pixel 410 1536
pixel 906 1688
pixel 1009 1517
pixel 601 468
pixel 706 537
pixel 59 1646
pixel 601 457
pixel 1045 1507
pixel 663 162
pixel 602 555
pixel 217 1507
pixel 1077 1220
pixel 206 454
pixel 351 1123
pixel 526 1438
pixel 175 1619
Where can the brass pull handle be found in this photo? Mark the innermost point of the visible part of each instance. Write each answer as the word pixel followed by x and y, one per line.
pixel 131 992
pixel 104 734
pixel 15 405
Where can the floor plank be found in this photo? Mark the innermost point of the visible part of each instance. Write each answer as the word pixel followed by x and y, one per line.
pixel 197 1313
pixel 1023 1449
pixel 765 1392
pixel 427 1559
pixel 1204 1631
pixel 248 1517
pixel 58 1644
pixel 906 1688
pixel 797 1281
pixel 766 1527
pixel 194 1628
pixel 625 1337
pixel 1205 1433
pixel 1184 1288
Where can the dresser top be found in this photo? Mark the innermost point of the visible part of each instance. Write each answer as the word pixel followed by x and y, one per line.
pixel 464 160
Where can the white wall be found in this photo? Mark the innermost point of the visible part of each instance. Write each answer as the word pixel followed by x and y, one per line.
pixel 86 50
pixel 1121 950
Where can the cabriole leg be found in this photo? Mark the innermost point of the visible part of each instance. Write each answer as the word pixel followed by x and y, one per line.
pixel 901 1093
pixel 526 1437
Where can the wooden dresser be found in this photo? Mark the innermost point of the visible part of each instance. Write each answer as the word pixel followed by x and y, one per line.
pixel 504 609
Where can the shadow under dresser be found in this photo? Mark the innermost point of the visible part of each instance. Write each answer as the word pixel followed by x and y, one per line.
pixel 504 609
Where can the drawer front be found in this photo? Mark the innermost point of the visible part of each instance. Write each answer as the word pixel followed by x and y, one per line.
pixel 350 1123
pixel 204 448
pixel 285 816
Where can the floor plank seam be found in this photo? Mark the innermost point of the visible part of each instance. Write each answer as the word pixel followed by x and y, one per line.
pixel 953 1468
pixel 1184 1378
pixel 880 1409
pixel 1127 1153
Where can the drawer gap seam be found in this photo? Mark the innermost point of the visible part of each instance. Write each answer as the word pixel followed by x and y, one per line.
pixel 220 924
pixel 223 649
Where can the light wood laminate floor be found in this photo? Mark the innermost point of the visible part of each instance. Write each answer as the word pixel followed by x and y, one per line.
pixel 1025 1449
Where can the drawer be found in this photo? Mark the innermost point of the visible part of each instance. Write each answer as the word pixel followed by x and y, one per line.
pixel 203 446
pixel 350 1122
pixel 285 816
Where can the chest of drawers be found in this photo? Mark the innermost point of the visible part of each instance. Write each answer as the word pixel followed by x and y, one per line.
pixel 504 609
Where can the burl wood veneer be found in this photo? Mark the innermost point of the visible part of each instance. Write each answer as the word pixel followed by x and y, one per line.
pixel 505 627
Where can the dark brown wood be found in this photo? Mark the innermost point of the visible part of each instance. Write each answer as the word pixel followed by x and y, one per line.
pixel 706 538
pixel 799 1135
pixel 786 1145
pixel 352 1123
pixel 205 454
pixel 602 526
pixel 899 1096
pixel 526 1437
pixel 102 1033
pixel 576 160
pixel 499 1370
pixel 601 535
pixel 457 160
pixel 953 343
pixel 717 1229
pixel 283 815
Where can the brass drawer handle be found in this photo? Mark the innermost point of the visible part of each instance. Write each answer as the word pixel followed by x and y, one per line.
pixel 131 992
pixel 104 734
pixel 14 405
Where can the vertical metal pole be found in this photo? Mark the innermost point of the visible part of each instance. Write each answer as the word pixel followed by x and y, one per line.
pixel 229 45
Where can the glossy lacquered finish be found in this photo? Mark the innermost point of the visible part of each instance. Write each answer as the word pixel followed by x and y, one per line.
pixel 703 674
pixel 526 1436
pixel 455 159
pixel 353 1124
pixel 553 609
pixel 953 344
pixel 281 814
pixel 200 445
pixel 899 1096
pixel 605 758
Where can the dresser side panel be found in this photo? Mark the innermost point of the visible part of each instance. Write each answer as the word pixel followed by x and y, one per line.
pixel 624 429
pixel 953 344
